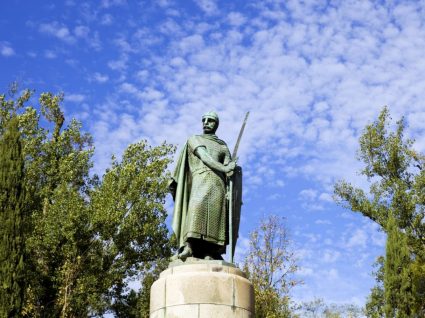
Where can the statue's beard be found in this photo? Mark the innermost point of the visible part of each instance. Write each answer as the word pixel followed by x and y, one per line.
pixel 208 131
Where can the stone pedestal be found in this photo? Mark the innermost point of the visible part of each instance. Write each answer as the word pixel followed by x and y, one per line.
pixel 202 289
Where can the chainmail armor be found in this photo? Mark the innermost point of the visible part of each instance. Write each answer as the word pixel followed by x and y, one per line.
pixel 207 205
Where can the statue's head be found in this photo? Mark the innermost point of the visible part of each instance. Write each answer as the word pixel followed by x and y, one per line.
pixel 210 122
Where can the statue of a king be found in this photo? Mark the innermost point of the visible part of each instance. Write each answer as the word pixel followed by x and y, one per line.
pixel 199 187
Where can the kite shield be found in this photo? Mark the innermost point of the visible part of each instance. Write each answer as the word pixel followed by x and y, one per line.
pixel 236 206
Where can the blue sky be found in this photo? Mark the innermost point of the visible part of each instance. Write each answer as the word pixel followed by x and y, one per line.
pixel 312 74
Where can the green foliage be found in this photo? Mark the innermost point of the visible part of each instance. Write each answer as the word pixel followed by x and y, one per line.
pixel 313 308
pixel 270 265
pixel 12 213
pixel 86 237
pixel 397 176
pixel 317 308
pixel 399 288
pixel 149 278
pixel 126 306
pixel 376 301
pixel 397 179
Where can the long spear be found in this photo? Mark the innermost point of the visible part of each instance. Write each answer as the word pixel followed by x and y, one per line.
pixel 235 151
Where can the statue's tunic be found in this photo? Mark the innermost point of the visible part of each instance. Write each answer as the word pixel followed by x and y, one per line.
pixel 207 204
pixel 200 203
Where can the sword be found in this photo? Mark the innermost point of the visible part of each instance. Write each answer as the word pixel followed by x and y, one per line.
pixel 235 151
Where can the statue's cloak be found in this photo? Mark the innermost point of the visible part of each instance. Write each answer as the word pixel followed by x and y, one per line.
pixel 182 179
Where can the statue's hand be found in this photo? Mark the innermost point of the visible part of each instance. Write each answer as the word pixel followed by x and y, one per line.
pixel 230 167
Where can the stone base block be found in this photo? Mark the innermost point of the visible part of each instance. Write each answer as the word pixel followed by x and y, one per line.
pixel 202 289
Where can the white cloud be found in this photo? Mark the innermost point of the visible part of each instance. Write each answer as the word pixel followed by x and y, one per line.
pixel 100 78
pixel 208 6
pixel 90 38
pixel 170 27
pixel 303 253
pixel 72 62
pixel 236 18
pixel 305 271
pixel 377 235
pixel 357 239
pixel 75 98
pixel 123 45
pixel 330 275
pixel 119 64
pixel 69 35
pixel 416 120
pixel 312 237
pixel 6 49
pixel 308 194
pixel 131 89
pixel 192 43
pixel 326 197
pixel 94 41
pixel 330 256
pixel 310 200
pixel 81 31
pixel 106 19
pixel 148 94
pixel 57 30
pixel 280 183
pixel 48 54
pixel 111 3
pixel 163 3
pixel 323 222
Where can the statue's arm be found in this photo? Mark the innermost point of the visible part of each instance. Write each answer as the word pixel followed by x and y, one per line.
pixel 227 157
pixel 202 153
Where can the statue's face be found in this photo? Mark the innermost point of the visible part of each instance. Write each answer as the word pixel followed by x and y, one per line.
pixel 209 125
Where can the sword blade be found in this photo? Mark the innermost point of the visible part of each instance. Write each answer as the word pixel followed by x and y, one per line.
pixel 235 151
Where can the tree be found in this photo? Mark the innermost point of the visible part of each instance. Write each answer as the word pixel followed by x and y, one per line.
pixel 87 236
pixel 398 278
pixel 317 308
pixel 397 175
pixel 270 265
pixel 313 308
pixel 149 277
pixel 12 214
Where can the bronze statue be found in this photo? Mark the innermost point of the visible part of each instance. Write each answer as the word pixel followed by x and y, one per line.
pixel 201 189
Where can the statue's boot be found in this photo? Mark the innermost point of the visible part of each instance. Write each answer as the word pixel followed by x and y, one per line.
pixel 187 252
